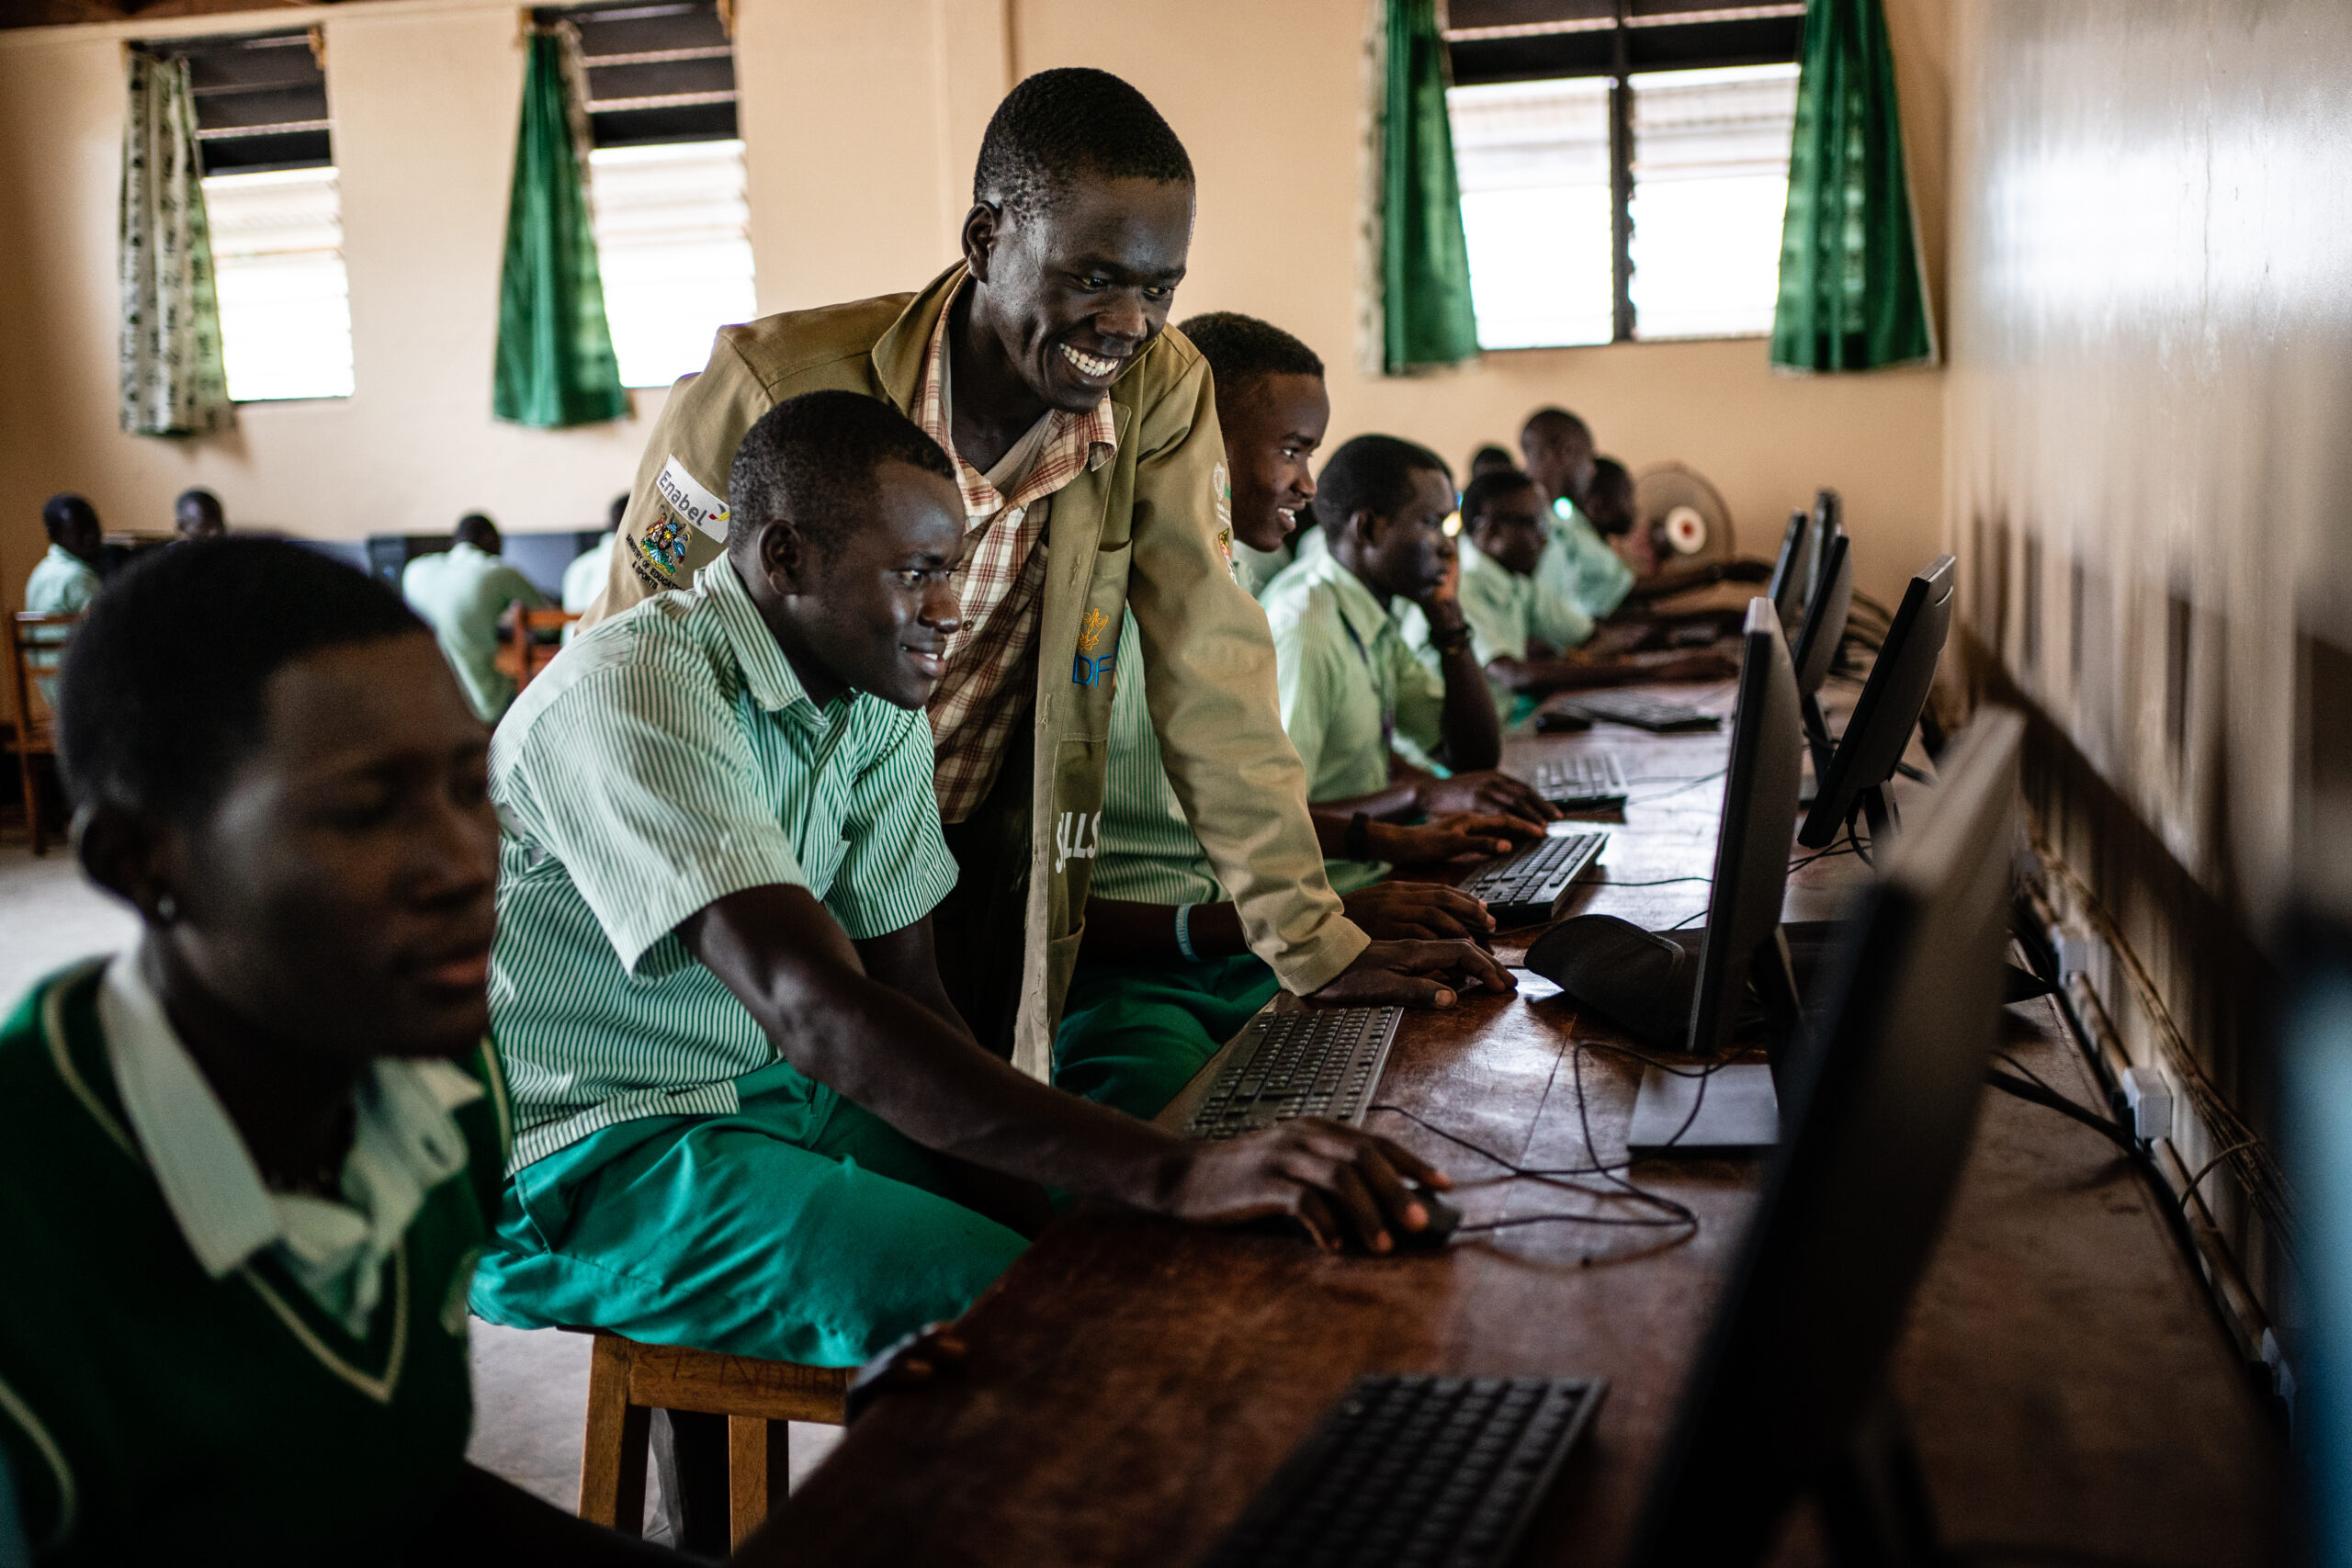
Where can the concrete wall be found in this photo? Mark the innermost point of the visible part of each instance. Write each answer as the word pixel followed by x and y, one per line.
pixel 861 122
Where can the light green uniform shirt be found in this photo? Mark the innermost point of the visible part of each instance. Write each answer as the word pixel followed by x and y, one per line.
pixel 1352 691
pixel 584 578
pixel 1147 853
pixel 666 759
pixel 1254 568
pixel 62 584
pixel 1579 567
pixel 461 592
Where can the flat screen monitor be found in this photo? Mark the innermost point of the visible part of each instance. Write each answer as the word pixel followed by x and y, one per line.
pixel 1817 646
pixel 1790 1394
pixel 1735 1108
pixel 1887 710
pixel 1828 522
pixel 1792 572
pixel 2315 1071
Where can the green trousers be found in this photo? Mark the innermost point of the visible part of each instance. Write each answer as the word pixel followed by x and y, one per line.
pixel 733 1234
pixel 1132 1034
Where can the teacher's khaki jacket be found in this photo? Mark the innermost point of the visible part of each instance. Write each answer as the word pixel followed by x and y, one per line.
pixel 1147 531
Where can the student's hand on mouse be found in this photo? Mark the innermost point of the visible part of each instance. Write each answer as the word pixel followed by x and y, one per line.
pixel 1451 838
pixel 1416 973
pixel 1341 1182
pixel 1497 793
pixel 909 1363
pixel 1417 912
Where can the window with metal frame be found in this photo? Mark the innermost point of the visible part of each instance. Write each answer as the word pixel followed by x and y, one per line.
pixel 275 209
pixel 666 177
pixel 1623 165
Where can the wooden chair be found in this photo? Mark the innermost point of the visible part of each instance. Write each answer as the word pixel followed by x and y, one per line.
pixel 628 1382
pixel 529 655
pixel 35 642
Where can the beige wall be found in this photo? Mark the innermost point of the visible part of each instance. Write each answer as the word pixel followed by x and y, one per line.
pixel 861 122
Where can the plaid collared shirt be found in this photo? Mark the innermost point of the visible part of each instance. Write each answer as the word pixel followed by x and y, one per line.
pixel 982 696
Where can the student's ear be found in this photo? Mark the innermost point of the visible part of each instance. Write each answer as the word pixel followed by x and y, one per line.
pixel 983 226
pixel 782 554
pixel 1364 526
pixel 129 854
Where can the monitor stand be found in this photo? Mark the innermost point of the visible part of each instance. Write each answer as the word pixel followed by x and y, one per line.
pixel 1735 1110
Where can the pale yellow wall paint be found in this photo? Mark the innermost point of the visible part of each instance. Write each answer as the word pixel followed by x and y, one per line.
pixel 861 122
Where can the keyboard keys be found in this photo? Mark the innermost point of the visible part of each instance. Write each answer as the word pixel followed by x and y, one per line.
pixel 1320 1062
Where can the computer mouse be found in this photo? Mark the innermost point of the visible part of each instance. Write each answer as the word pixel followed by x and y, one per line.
pixel 1445 1218
pixel 1641 980
pixel 1559 721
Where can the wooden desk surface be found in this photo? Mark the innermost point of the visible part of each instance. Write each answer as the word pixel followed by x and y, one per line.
pixel 1133 1381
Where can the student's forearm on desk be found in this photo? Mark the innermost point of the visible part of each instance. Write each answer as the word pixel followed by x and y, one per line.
pixel 783 956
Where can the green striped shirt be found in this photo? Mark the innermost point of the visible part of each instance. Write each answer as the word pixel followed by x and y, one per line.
pixel 668 757
pixel 1147 853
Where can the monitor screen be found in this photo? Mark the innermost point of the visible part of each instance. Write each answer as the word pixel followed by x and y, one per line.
pixel 1881 1102
pixel 1792 572
pixel 1824 618
pixel 1887 709
pixel 1752 842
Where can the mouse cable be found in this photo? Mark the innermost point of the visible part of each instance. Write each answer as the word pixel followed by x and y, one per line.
pixel 1660 882
pixel 1683 788
pixel 2034 1092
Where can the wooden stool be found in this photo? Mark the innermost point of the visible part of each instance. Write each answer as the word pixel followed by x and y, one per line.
pixel 628 1382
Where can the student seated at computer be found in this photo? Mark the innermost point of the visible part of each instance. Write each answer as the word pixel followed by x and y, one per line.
pixel 464 593
pixel 1608 501
pixel 749 1118
pixel 1353 691
pixel 1165 976
pixel 244 1164
pixel 197 515
pixel 1523 632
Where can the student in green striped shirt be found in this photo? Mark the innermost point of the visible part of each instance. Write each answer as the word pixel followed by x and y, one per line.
pixel 750 1120
pixel 244 1165
pixel 1164 976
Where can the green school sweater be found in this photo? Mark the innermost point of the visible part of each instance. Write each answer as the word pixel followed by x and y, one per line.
pixel 154 1415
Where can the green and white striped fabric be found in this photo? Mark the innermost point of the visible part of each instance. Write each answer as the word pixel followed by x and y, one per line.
pixel 1147 853
pixel 668 757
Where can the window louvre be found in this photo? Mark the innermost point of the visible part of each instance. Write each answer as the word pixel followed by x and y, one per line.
pixel 261 101
pixel 673 242
pixel 278 267
pixel 657 72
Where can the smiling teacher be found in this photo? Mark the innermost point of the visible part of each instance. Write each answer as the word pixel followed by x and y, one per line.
pixel 1085 441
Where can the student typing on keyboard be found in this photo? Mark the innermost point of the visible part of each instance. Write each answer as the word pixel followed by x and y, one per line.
pixel 1165 976
pixel 1361 710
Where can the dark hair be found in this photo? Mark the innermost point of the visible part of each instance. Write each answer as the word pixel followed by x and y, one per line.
pixel 1556 422
pixel 1486 487
pixel 162 690
pixel 1609 476
pixel 1487 457
pixel 1061 123
pixel 1242 349
pixel 621 504
pixel 474 529
pixel 62 510
pixel 812 459
pixel 1372 473
pixel 196 495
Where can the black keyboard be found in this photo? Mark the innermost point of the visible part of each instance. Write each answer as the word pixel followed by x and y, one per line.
pixel 1590 781
pixel 1409 1470
pixel 1317 1062
pixel 1530 885
pixel 1643 711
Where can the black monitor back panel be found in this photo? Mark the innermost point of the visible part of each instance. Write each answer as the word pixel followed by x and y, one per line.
pixel 1790 1394
pixel 1888 707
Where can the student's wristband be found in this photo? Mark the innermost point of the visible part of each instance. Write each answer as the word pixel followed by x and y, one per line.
pixel 1359 840
pixel 1452 642
pixel 1184 932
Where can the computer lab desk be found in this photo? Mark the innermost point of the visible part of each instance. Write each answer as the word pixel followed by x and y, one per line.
pixel 1131 1383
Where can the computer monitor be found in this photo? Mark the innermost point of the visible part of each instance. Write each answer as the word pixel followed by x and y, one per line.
pixel 1790 1394
pixel 2315 1072
pixel 1817 644
pixel 1792 572
pixel 1892 699
pixel 1828 522
pixel 1736 1108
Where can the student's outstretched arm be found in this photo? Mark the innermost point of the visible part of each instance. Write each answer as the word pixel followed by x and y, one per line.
pixel 785 959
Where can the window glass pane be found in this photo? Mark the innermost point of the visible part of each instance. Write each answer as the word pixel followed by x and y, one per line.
pixel 1711 186
pixel 285 303
pixel 1533 161
pixel 674 240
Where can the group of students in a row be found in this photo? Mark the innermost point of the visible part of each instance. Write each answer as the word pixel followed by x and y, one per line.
pixel 67 577
pixel 922 803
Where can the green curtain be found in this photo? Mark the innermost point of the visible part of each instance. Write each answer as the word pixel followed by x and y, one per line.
pixel 555 352
pixel 175 381
pixel 1425 317
pixel 1851 297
